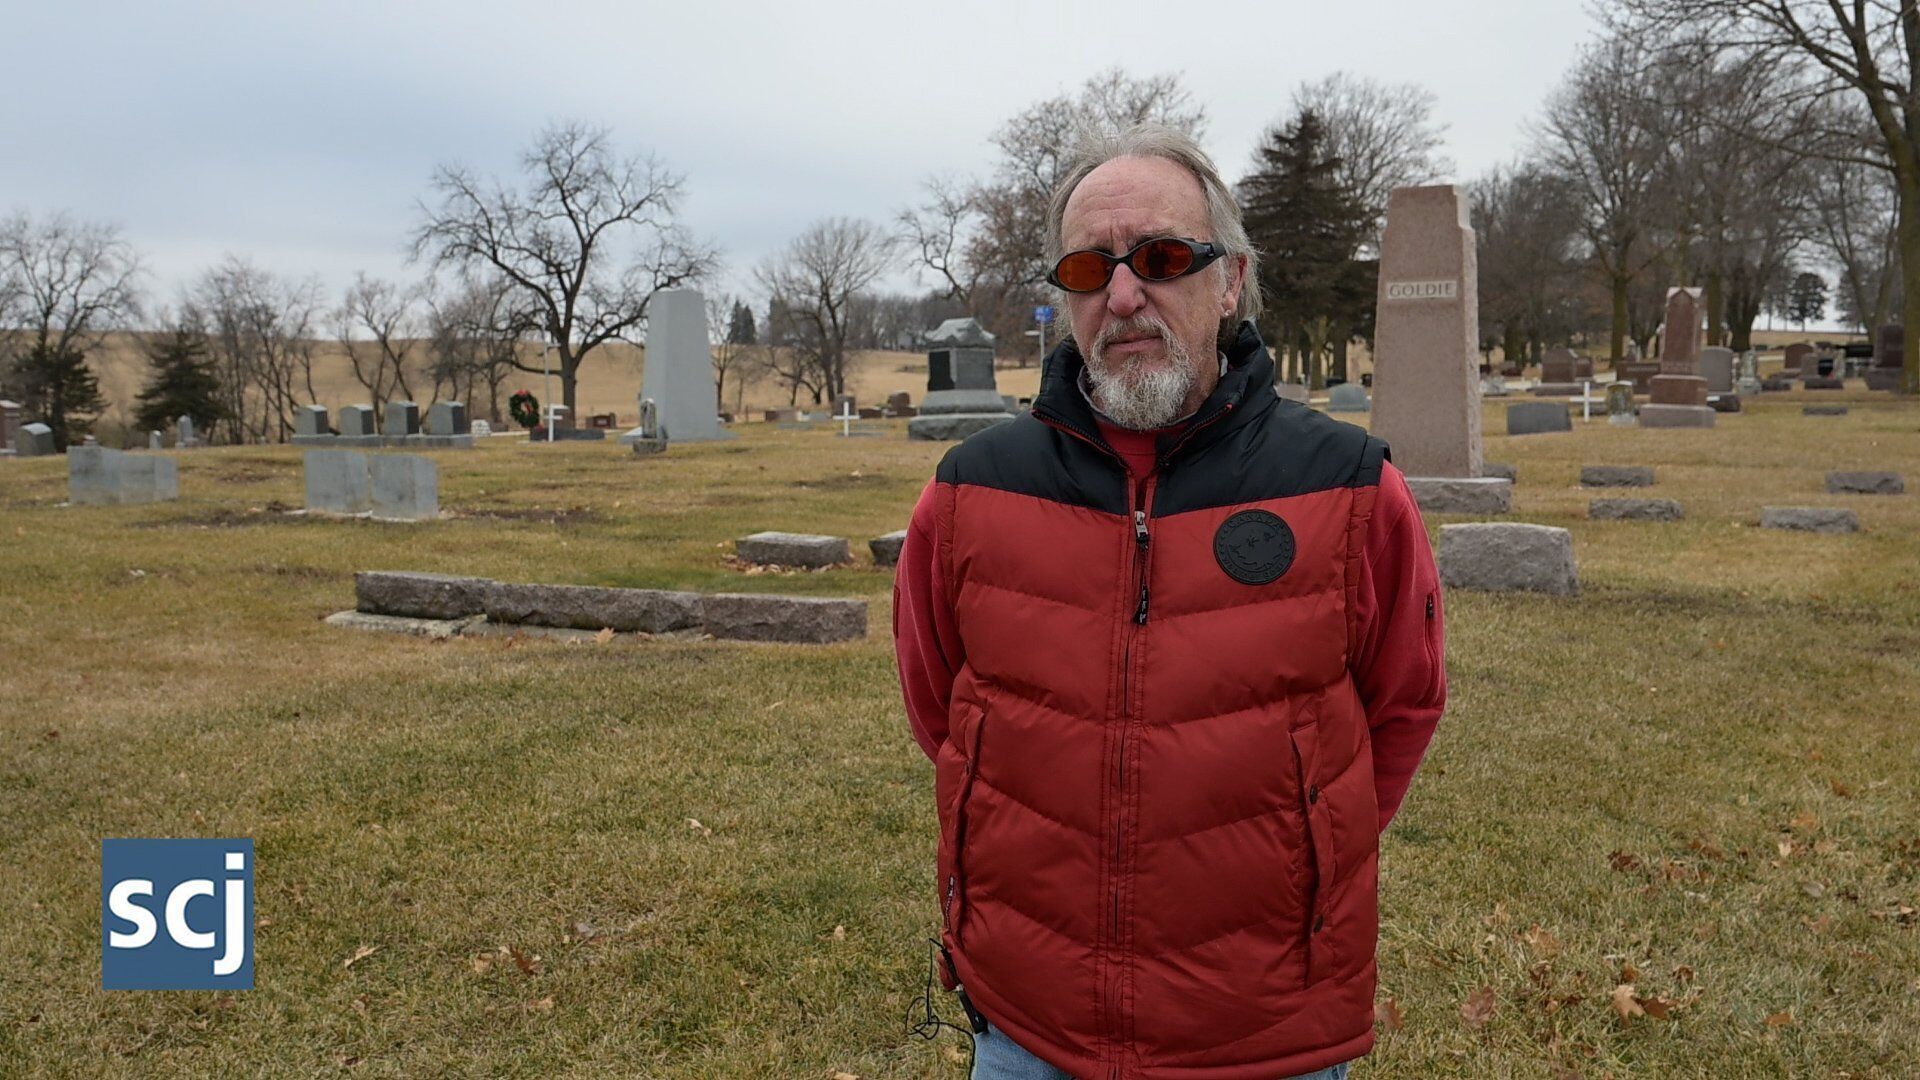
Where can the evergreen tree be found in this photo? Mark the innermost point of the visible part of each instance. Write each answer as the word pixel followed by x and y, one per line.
pixel 1807 298
pixel 740 330
pixel 182 384
pixel 60 390
pixel 1307 228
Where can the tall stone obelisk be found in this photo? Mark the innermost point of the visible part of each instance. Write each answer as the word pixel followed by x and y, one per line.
pixel 1426 380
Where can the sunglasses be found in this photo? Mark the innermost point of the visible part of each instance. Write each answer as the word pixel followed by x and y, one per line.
pixel 1161 259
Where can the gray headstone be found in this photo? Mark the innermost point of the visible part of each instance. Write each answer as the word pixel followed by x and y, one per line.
pixel 1537 417
pixel 146 478
pixel 1462 495
pixel 156 441
pixel 886 549
pixel 791 549
pixel 679 367
pixel 186 437
pixel 1809 519
pixel 1823 410
pixel 804 619
pixel 97 476
pixel 1634 510
pixel 583 607
pixel 356 421
pixel 93 476
pixel 1716 366
pixel 1866 483
pixel 1499 556
pixel 406 487
pixel 36 440
pixel 402 419
pixel 1616 476
pixel 1620 404
pixel 311 420
pixel 948 427
pixel 1347 398
pixel 338 482
pixel 447 418
pixel 1657 415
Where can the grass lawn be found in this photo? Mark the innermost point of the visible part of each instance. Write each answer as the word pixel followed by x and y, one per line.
pixel 679 859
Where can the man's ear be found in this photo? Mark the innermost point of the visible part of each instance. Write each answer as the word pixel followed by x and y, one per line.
pixel 1236 280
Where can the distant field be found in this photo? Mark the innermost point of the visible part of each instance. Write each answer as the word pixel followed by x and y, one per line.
pixel 1697 778
pixel 610 378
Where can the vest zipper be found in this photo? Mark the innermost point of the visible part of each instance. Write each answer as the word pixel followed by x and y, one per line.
pixel 1143 495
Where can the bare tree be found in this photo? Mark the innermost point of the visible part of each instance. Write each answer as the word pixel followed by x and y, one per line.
pixel 1527 228
pixel 731 355
pixel 260 332
pixel 473 339
pixel 1856 209
pixel 378 327
pixel 816 279
pixel 586 243
pixel 1383 136
pixel 985 241
pixel 1867 51
pixel 1599 134
pixel 64 284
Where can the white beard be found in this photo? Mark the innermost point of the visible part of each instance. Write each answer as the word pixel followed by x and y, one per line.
pixel 1136 396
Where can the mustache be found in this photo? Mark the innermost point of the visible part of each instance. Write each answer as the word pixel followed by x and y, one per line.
pixel 1135 326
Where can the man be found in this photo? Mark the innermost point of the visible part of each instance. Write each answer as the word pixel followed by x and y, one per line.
pixel 1174 647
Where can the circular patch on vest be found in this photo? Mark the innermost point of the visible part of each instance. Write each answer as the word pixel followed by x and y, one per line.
pixel 1254 547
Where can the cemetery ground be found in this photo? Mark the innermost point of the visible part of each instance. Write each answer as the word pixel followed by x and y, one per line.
pixel 1696 779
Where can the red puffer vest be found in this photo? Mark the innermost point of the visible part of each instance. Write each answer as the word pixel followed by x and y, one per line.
pixel 1158 831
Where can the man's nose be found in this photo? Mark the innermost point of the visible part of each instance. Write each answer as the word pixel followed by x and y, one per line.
pixel 1126 293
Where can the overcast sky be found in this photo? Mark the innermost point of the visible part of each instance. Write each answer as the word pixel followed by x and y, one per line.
pixel 300 134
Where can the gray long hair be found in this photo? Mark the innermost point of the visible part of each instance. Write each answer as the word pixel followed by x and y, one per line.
pixel 1096 148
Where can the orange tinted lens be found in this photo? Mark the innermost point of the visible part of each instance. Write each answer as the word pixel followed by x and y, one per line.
pixel 1082 271
pixel 1159 260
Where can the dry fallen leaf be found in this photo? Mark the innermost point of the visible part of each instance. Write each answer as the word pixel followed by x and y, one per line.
pixel 954 1054
pixel 1623 862
pixel 1780 1019
pixel 1805 821
pixel 360 954
pixel 1629 973
pixel 1840 789
pixel 1683 974
pixel 1478 1008
pixel 1625 1003
pixel 605 635
pixel 1658 1007
pixel 544 1004
pixel 528 965
pixel 1542 941
pixel 482 963
pixel 839 933
pixel 694 825
pixel 1386 1013
pixel 845 1076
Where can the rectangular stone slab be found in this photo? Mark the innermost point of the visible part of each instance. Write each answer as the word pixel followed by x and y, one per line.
pixel 801 619
pixel 1866 483
pixel 588 607
pixel 791 549
pixel 1455 495
pixel 419 596
pixel 1809 519
pixel 338 482
pixel 406 487
pixel 1503 556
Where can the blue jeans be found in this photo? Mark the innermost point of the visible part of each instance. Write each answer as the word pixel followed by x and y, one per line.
pixel 996 1057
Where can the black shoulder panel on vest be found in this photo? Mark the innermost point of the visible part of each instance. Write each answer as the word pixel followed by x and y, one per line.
pixel 1031 457
pixel 1295 451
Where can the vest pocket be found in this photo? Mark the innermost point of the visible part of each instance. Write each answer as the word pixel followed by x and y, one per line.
pixel 1318 836
pixel 954 889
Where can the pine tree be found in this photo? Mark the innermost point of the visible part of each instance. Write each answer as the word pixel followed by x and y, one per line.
pixel 1307 228
pixel 182 384
pixel 60 390
pixel 1807 298
pixel 740 330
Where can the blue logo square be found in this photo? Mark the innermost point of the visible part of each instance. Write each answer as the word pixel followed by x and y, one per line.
pixel 176 914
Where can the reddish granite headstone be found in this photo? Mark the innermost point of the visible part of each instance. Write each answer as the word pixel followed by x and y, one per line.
pixel 1798 355
pixel 9 424
pixel 1426 387
pixel 1680 337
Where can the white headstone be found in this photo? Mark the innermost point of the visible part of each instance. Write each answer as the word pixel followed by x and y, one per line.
pixel 679 367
